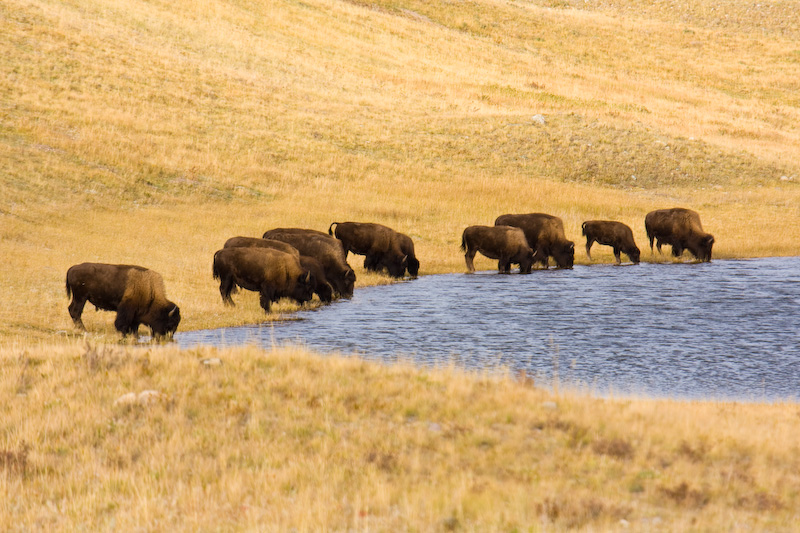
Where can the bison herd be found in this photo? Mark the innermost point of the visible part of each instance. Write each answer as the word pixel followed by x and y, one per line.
pixel 298 263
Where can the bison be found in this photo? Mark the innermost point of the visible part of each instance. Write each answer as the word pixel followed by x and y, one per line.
pixel 545 234
pixel 505 243
pixel 330 254
pixel 611 233
pixel 271 273
pixel 255 242
pixel 680 228
pixel 322 288
pixel 136 293
pixel 380 244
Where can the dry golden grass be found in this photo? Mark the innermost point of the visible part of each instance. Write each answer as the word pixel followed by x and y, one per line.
pixel 149 132
pixel 279 440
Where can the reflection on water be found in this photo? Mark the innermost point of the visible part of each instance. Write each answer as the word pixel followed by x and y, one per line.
pixel 724 330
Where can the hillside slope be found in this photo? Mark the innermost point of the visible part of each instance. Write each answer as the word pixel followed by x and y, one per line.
pixel 123 121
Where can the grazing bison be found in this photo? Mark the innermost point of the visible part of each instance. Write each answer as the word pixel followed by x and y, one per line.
pixel 505 243
pixel 545 234
pixel 380 244
pixel 330 254
pixel 135 293
pixel 615 234
pixel 271 273
pixel 680 228
pixel 255 242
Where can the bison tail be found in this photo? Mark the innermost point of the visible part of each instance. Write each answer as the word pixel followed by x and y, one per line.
pixel 583 229
pixel 215 267
pixel 330 228
pixel 464 241
pixel 69 289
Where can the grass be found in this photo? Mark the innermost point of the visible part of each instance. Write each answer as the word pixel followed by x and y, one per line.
pixel 283 439
pixel 149 132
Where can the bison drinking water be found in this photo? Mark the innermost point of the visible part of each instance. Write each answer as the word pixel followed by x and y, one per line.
pixel 322 288
pixel 135 293
pixel 504 243
pixel 545 234
pixel 615 234
pixel 382 246
pixel 680 228
pixel 271 273
pixel 325 249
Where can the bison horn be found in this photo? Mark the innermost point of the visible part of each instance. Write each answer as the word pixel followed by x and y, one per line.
pixel 308 276
pixel 172 311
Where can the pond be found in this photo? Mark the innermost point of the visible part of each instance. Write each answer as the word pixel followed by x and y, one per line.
pixel 725 330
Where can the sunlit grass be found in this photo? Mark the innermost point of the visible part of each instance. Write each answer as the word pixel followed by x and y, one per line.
pixel 282 439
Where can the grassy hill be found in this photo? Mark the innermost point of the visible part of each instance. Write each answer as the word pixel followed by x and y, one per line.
pixel 148 132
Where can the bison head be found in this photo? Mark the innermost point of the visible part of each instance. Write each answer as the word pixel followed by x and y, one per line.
pixel 396 265
pixel 564 254
pixel 702 248
pixel 304 287
pixel 167 320
pixel 634 254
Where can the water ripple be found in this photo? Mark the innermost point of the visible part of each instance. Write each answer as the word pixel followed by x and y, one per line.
pixel 723 330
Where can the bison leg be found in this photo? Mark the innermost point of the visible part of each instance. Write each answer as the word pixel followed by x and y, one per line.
pixel 325 292
pixel 468 257
pixel 226 286
pixel 616 255
pixel 589 243
pixel 504 265
pixel 266 297
pixel 126 322
pixel 76 310
pixel 542 257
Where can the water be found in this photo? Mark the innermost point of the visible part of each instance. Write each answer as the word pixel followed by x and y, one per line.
pixel 726 330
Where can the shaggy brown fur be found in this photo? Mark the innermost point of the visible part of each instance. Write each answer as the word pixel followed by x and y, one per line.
pixel 380 244
pixel 330 254
pixel 135 293
pixel 504 243
pixel 611 233
pixel 271 273
pixel 545 234
pixel 255 242
pixel 680 228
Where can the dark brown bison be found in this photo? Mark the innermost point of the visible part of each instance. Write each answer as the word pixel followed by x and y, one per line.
pixel 330 254
pixel 271 273
pixel 255 242
pixel 322 288
pixel 380 244
pixel 611 233
pixel 545 234
pixel 680 228
pixel 135 293
pixel 505 243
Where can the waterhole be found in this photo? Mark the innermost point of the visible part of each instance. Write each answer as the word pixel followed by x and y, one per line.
pixel 725 330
